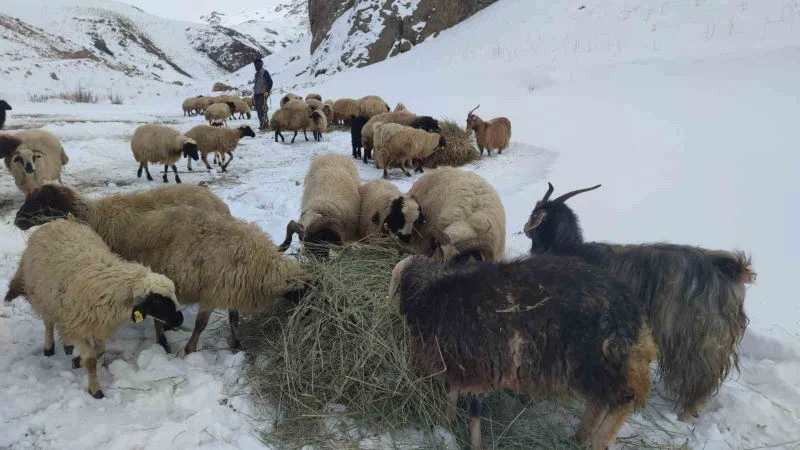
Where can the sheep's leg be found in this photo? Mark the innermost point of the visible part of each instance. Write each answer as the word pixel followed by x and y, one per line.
pixel 166 171
pixel 199 326
pixel 386 170
pixel 305 135
pixel 147 171
pixel 88 359
pixel 230 158
pixel 419 167
pixel 205 161
pixel 233 319
pixel 475 412
pixel 295 135
pixel 139 172
pixel 161 338
pixel 606 434
pixel 592 417
pixel 189 164
pixel 403 168
pixel 68 349
pixel 49 339
pixel 175 171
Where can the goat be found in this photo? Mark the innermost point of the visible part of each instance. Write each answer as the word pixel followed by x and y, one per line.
pixel 492 134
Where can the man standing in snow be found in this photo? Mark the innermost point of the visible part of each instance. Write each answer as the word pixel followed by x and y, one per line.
pixel 262 85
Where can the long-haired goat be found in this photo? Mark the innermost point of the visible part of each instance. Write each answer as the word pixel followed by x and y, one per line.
pixel 547 327
pixel 693 297
pixel 492 134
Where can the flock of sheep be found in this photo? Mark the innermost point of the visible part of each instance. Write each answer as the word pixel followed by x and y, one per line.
pixel 574 317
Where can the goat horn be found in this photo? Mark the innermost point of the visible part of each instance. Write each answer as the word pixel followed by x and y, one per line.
pixel 569 195
pixel 473 110
pixel 292 228
pixel 549 192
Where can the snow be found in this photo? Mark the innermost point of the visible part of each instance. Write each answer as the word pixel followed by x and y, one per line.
pixel 684 111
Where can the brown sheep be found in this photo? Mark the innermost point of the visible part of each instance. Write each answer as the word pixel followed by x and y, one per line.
pixel 492 134
pixel 345 109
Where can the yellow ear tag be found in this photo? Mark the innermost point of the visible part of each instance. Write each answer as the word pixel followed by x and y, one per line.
pixel 137 316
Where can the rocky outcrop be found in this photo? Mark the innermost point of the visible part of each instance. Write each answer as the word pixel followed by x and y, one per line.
pixel 228 48
pixel 355 33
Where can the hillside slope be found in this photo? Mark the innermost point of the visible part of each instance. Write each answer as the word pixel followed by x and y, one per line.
pixel 275 24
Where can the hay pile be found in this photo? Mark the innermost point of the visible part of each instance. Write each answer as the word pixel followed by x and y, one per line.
pixel 337 369
pixel 459 150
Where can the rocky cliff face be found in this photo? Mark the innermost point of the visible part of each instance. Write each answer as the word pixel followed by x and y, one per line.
pixel 355 33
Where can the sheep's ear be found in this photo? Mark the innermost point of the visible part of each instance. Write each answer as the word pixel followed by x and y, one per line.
pixel 8 144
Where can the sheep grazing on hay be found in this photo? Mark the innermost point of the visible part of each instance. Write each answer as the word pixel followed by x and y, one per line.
pixel 694 297
pixel 492 134
pixel 547 327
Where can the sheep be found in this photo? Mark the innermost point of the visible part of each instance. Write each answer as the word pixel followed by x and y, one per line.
pixel 549 327
pixel 385 210
pixel 249 102
pixel 4 106
pixel 345 109
pixel 297 104
pixel 426 123
pixel 33 157
pixel 356 127
pixel 219 112
pixel 219 86
pixel 189 106
pixel 173 238
pixel 157 143
pixel 314 105
pixel 288 119
pixel 76 284
pixel 400 143
pixel 242 109
pixel 319 124
pixel 314 96
pixel 464 217
pixel 330 205
pixel 368 131
pixel 493 134
pixel 694 297
pixel 288 97
pixel 327 108
pixel 217 140
pixel 372 106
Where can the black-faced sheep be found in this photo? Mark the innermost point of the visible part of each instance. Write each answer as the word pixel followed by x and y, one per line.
pixel 345 109
pixel 385 210
pixel 4 106
pixel 289 119
pixel 77 285
pixel 156 143
pixel 548 327
pixel 399 143
pixel 217 140
pixel 492 134
pixel 33 157
pixel 330 206
pixel 219 113
pixel 318 125
pixel 464 216
pixel 694 297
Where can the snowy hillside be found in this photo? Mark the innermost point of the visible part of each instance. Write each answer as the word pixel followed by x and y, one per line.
pixel 275 24
pixel 685 111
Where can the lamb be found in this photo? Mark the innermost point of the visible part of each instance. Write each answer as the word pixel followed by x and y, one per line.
pixel 693 297
pixel 33 157
pixel 314 105
pixel 289 119
pixel 330 206
pixel 372 106
pixel 314 96
pixel 241 108
pixel 464 217
pixel 494 134
pixel 319 124
pixel 368 131
pixel 167 238
pixel 4 106
pixel 219 112
pixel 401 143
pixel 288 97
pixel 157 143
pixel 76 284
pixel 548 327
pixel 217 140
pixel 345 109
pixel 385 210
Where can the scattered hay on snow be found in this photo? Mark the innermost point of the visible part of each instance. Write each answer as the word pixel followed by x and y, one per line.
pixel 459 150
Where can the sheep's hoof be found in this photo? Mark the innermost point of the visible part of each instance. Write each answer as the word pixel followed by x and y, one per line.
pixel 165 179
pixel 162 341
pixel 149 178
pixel 76 362
pixel 50 351
pixel 189 169
pixel 237 345
pixel 68 349
pixel 98 395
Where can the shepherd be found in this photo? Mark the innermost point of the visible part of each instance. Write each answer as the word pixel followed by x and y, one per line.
pixel 262 85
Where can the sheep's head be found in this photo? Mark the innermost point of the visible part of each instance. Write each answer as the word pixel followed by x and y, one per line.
pixel 49 202
pixel 427 123
pixel 404 215
pixel 472 120
pixel 4 106
pixel 552 223
pixel 25 160
pixel 189 148
pixel 154 296
pixel 322 232
pixel 442 142
pixel 245 130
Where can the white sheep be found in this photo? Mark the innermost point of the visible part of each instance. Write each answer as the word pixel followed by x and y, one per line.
pixel 157 143
pixel 399 143
pixel 290 119
pixel 240 107
pixel 385 210
pixel 464 216
pixel 33 157
pixel 217 140
pixel 218 112
pixel 77 285
pixel 315 105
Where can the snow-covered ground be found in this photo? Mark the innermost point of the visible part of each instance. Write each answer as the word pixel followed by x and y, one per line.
pixel 685 111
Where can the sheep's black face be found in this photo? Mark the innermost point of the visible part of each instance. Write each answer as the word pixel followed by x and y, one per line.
pixel 48 203
pixel 402 218
pixel 161 309
pixel 442 142
pixel 190 151
pixel 247 131
pixel 4 106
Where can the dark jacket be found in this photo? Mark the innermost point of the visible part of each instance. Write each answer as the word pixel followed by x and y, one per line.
pixel 262 83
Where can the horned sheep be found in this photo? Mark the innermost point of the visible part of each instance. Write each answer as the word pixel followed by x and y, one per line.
pixel 157 143
pixel 492 134
pixel 398 143
pixel 464 216
pixel 693 297
pixel 76 284
pixel 220 141
pixel 33 157
pixel 4 106
pixel 548 327
pixel 219 112
pixel 165 239
pixel 318 125
pixel 385 210
pixel 330 205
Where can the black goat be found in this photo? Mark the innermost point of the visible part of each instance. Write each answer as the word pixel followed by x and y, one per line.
pixel 693 297
pixel 4 106
pixel 547 327
pixel 426 123
pixel 356 125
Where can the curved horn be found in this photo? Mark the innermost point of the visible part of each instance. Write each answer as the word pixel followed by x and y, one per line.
pixel 569 195
pixel 549 192
pixel 476 245
pixel 292 228
pixel 473 109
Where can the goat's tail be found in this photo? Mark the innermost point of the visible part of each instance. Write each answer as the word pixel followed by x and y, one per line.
pixel 15 288
pixel 736 266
